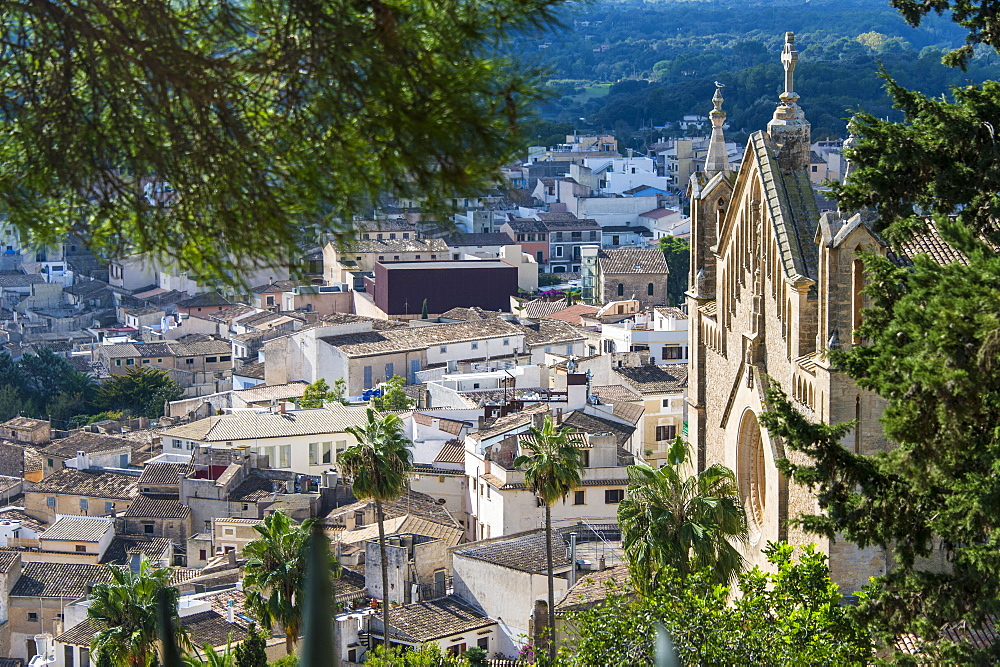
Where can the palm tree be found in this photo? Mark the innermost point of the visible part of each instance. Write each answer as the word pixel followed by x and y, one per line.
pixel 552 469
pixel 126 611
pixel 670 520
pixel 379 467
pixel 274 574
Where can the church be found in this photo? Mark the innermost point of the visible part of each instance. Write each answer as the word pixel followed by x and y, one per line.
pixel 774 285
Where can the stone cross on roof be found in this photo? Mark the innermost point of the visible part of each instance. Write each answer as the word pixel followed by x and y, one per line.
pixel 789 57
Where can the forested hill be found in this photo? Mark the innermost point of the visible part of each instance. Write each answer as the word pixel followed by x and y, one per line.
pixel 627 65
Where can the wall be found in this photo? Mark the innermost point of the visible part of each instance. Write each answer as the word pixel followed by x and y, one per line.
pixel 401 291
pixel 35 505
pixel 504 594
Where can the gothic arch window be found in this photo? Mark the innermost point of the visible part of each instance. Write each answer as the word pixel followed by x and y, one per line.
pixel 788 327
pixel 751 470
pixel 621 289
pixel 857 298
pixel 649 289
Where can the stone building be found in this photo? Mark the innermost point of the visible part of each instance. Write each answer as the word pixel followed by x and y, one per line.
pixel 633 273
pixel 773 287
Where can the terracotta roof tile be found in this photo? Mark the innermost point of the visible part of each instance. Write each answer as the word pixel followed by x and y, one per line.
pixel 147 507
pixel 89 483
pixel 453 451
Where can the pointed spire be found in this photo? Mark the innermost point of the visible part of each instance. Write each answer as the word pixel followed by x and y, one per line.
pixel 789 128
pixel 717 160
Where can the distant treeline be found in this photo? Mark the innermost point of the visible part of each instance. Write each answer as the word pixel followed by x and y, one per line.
pixel 663 59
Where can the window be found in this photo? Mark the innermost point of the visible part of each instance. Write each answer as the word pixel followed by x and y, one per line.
pixel 483 643
pixel 211 360
pixel 227 357
pixel 284 456
pixel 559 251
pixel 50 501
pixel 84 657
pixel 593 235
pixel 147 529
pixel 81 548
pixel 539 257
pixel 666 402
pixel 123 460
pixel 269 300
pixel 569 349
pixel 815 169
pixel 145 361
pixel 434 256
pixel 559 236
pixel 130 362
pixel 614 496
pixel 159 361
pixel 189 361
pixel 313 453
pixel 118 362
pixel 368 377
pixel 381 257
pixel 109 507
pixel 579 497
pixel 327 448
pixel 456 649
pixel 585 458
pixel 444 348
pixel 649 289
pixel 406 235
pixel 202 555
pixel 576 236
pixel 672 352
pixel 666 432
pixel 228 531
pixel 392 237
pixel 520 237
pixel 506 342
pixel 621 289
pixel 475 346
pixel 395 258
pixel 416 256
pixel 615 240
pixel 52 463
pixel 32 615
pixel 390 371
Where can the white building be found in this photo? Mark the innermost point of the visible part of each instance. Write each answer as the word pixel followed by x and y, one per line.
pixel 304 441
pixel 663 332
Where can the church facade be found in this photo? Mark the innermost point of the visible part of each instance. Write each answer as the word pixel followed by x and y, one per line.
pixel 774 285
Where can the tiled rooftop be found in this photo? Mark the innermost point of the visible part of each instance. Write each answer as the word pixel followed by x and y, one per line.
pixel 54 580
pixel 163 473
pixel 388 246
pixel 266 392
pixel 473 314
pixel 89 483
pixel 117 553
pixel 401 340
pixel 650 379
pixel 206 627
pixel 82 441
pixel 453 451
pixel 551 332
pixel 78 529
pixel 537 308
pixel 615 393
pixel 146 507
pixel 632 260
pixel 257 425
pixel 572 313
pixel 436 619
pixel 522 551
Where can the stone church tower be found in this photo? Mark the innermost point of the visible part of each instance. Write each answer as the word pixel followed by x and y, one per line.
pixel 773 286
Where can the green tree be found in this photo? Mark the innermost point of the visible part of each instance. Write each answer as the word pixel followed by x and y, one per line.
pixel 425 655
pixel 678 254
pixel 236 108
pixel 393 396
pixel 13 402
pixel 274 574
pixel 45 374
pixel 315 394
pixel 338 392
pixel 252 651
pixel 126 611
pixel 794 615
pixel 673 520
pixel 552 468
pixel 141 392
pixel 378 467
pixel 424 314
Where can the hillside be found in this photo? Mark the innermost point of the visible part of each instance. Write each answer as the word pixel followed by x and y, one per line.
pixel 627 65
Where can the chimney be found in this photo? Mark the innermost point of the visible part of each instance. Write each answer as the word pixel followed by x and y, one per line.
pixel 230 613
pixel 559 415
pixel 281 407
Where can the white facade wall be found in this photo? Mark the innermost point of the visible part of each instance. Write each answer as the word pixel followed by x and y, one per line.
pixel 578 348
pixel 504 594
pixel 483 348
pixel 613 210
pixel 295 456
